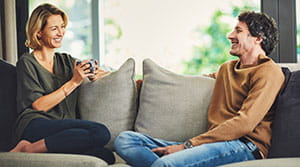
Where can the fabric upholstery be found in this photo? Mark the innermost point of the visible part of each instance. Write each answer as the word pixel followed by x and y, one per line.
pixel 282 162
pixel 111 100
pixel 8 111
pixel 286 134
pixel 49 160
pixel 172 106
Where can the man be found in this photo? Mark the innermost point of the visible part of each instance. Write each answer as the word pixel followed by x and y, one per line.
pixel 238 115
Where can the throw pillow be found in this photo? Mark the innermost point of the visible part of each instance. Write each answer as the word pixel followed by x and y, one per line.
pixel 286 134
pixel 8 110
pixel 172 106
pixel 111 100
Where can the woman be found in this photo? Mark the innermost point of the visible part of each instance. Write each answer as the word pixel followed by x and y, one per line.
pixel 47 93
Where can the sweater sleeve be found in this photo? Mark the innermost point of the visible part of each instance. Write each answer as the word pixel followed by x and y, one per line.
pixel 264 87
pixel 28 86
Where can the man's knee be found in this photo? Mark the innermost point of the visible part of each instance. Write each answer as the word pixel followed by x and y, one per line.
pixel 124 139
pixel 161 162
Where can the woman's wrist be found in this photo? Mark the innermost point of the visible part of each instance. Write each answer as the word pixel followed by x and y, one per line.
pixel 65 91
pixel 69 87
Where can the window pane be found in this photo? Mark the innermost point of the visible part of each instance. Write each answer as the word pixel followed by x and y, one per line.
pixel 77 40
pixel 186 36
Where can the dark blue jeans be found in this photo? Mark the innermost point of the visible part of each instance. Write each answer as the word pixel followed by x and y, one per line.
pixel 71 136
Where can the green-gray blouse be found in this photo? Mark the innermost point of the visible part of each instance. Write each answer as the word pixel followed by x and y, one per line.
pixel 34 81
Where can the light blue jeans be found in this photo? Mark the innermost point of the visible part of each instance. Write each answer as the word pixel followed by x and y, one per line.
pixel 135 149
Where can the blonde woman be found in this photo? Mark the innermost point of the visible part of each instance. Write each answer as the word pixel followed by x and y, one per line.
pixel 47 93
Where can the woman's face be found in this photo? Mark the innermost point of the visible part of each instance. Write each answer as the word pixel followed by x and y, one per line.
pixel 52 34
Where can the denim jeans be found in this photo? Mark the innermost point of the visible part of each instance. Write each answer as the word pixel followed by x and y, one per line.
pixel 71 136
pixel 135 149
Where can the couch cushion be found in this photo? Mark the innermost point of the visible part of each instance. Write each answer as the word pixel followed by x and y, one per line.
pixel 172 106
pixel 286 134
pixel 280 162
pixel 8 103
pixel 111 100
pixel 49 160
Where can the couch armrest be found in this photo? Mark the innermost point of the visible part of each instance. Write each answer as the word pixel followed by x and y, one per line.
pixel 276 162
pixel 8 159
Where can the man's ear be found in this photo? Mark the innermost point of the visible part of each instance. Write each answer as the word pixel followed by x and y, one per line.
pixel 258 39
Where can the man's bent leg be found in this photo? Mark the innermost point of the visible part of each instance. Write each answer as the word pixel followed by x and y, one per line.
pixel 135 148
pixel 207 155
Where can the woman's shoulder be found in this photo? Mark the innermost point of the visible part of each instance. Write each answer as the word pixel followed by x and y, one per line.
pixel 26 58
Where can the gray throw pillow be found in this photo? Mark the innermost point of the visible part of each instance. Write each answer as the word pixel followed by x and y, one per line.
pixel 172 106
pixel 111 100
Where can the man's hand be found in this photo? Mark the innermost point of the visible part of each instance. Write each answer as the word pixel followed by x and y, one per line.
pixel 169 149
pixel 98 74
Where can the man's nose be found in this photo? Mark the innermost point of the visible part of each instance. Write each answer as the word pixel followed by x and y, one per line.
pixel 230 35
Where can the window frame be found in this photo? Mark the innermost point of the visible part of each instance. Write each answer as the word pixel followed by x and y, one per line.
pixel 22 17
pixel 286 51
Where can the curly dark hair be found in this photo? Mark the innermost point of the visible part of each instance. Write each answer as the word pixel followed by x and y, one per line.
pixel 261 25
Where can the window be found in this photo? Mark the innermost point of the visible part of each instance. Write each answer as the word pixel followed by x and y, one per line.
pixel 188 36
pixel 78 38
pixel 180 36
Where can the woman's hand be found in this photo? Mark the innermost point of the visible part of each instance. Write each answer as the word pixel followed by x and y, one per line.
pixel 81 71
pixel 98 73
pixel 169 149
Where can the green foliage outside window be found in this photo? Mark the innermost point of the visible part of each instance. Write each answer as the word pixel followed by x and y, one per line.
pixel 208 56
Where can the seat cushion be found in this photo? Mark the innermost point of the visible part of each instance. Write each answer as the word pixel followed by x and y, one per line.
pixel 286 134
pixel 49 160
pixel 172 106
pixel 8 86
pixel 276 162
pixel 111 100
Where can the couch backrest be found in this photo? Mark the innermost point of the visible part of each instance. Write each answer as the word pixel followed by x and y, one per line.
pixel 8 89
pixel 291 66
pixel 285 127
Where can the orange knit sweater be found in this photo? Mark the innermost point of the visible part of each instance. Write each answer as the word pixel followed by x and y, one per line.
pixel 241 99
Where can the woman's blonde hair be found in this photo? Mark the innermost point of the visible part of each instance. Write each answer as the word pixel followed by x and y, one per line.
pixel 38 21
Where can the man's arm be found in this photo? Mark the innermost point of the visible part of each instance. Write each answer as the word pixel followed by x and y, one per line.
pixel 264 89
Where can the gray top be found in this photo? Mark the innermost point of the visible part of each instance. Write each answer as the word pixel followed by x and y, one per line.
pixel 34 81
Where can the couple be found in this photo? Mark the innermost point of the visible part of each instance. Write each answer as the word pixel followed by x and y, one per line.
pixel 239 121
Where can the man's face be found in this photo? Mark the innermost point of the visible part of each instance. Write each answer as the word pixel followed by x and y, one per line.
pixel 242 42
